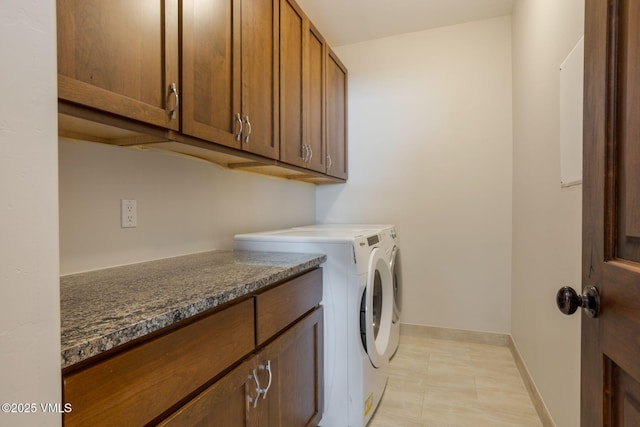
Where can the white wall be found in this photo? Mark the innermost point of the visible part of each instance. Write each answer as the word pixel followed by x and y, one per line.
pixel 430 149
pixel 29 287
pixel 184 205
pixel 546 218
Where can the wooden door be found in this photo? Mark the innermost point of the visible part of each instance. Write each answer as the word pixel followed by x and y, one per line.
pixel 211 70
pixel 260 81
pixel 611 213
pixel 336 116
pixel 226 403
pixel 120 57
pixel 295 362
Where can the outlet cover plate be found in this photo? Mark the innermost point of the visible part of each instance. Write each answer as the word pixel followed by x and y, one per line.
pixel 129 211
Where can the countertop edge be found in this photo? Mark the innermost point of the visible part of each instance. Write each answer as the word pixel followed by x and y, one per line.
pixel 90 348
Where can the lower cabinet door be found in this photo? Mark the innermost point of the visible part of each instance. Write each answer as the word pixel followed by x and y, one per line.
pixel 229 402
pixel 281 386
pixel 290 369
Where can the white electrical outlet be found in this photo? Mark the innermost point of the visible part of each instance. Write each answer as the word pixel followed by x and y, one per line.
pixel 129 213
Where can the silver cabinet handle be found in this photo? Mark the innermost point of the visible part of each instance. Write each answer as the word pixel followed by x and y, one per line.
pixel 268 368
pixel 254 400
pixel 310 153
pixel 305 153
pixel 246 138
pixel 239 134
pixel 329 162
pixel 173 90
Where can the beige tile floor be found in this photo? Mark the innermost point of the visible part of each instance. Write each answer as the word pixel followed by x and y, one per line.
pixel 443 383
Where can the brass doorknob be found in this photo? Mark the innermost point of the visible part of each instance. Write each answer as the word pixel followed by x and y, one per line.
pixel 568 300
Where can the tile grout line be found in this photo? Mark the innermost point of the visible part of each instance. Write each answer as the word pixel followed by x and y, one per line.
pixel 502 340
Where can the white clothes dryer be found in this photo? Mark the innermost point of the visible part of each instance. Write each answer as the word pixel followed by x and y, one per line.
pixel 389 238
pixel 358 308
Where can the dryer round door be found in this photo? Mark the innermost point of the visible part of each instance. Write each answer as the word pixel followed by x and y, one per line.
pixel 396 274
pixel 376 309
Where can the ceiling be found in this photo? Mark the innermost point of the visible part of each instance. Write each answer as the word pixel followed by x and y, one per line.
pixel 351 21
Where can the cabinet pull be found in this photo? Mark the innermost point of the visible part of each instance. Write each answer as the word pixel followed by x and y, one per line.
pixel 246 138
pixel 310 154
pixel 239 134
pixel 305 151
pixel 173 90
pixel 268 368
pixel 329 162
pixel 254 400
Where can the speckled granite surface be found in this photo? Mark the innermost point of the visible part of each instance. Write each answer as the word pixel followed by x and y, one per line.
pixel 105 308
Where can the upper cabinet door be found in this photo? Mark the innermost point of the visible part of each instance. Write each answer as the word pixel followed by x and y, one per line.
pixel 260 81
pixel 315 55
pixel 229 72
pixel 211 70
pixel 301 89
pixel 120 57
pixel 336 117
pixel 292 145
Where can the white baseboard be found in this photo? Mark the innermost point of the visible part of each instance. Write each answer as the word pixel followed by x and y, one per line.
pixel 455 334
pixel 491 338
pixel 536 398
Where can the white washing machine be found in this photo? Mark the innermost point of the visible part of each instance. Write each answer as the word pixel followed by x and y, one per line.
pixel 358 311
pixel 389 238
pixel 396 273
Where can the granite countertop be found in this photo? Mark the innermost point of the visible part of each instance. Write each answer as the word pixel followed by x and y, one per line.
pixel 106 308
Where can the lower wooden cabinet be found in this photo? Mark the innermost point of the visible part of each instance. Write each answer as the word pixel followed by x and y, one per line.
pixel 280 386
pixel 138 385
pixel 295 373
pixel 265 354
pixel 226 403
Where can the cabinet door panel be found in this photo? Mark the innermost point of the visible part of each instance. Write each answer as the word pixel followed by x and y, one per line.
pixel 315 60
pixel 211 69
pixel 336 117
pixel 225 403
pixel 260 53
pixel 301 90
pixel 119 56
pixel 291 84
pixel 296 359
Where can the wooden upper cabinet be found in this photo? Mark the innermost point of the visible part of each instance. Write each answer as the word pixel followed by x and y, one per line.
pixel 301 89
pixel 260 81
pixel 252 75
pixel 292 144
pixel 336 122
pixel 315 90
pixel 230 56
pixel 120 57
pixel 211 70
